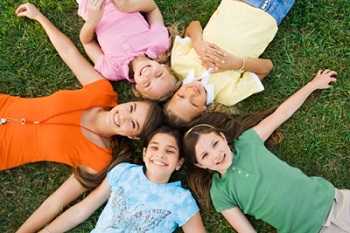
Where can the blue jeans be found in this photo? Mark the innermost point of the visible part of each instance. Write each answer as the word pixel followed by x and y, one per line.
pixel 278 9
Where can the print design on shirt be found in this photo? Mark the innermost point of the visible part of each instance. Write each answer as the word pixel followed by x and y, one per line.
pixel 137 219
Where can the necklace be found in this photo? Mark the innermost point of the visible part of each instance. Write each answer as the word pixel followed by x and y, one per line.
pixel 24 121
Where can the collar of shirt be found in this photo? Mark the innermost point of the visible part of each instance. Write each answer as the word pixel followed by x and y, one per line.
pixel 204 79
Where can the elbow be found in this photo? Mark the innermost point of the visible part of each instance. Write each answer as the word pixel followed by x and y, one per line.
pixel 268 67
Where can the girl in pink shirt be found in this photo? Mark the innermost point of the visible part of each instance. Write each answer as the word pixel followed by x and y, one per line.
pixel 128 44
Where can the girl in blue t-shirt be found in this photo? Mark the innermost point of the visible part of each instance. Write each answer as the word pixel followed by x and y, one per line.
pixel 249 179
pixel 140 197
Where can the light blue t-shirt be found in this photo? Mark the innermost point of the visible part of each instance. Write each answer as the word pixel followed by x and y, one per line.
pixel 138 205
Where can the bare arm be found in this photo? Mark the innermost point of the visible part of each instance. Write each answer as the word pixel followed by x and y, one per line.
pixel 80 211
pixel 81 68
pixel 87 32
pixel 267 126
pixel 212 56
pixel 238 220
pixel 149 7
pixel 194 225
pixel 70 190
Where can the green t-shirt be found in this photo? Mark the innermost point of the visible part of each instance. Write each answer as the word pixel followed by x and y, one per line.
pixel 265 187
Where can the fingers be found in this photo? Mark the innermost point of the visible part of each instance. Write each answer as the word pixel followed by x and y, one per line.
pixel 96 3
pixel 21 9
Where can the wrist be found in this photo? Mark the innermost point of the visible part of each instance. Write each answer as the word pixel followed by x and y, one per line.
pixel 239 63
pixel 311 86
pixel 39 17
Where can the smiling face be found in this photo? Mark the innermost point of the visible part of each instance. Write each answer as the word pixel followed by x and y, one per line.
pixel 212 152
pixel 162 157
pixel 188 102
pixel 128 119
pixel 153 80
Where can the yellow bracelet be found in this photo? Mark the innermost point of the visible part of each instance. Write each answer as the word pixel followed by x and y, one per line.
pixel 242 69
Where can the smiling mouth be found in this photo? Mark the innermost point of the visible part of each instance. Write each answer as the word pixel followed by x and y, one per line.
pixel 159 162
pixel 222 160
pixel 143 69
pixel 116 120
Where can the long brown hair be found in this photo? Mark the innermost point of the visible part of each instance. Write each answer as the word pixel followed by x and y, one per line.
pixel 198 179
pixel 121 151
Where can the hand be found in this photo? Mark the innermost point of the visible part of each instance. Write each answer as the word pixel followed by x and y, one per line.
pixel 222 60
pixel 94 11
pixel 28 10
pixel 123 5
pixel 323 79
pixel 204 50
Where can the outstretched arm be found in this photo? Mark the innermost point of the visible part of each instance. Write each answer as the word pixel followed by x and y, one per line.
pixel 194 225
pixel 87 32
pixel 267 126
pixel 82 69
pixel 149 7
pixel 70 190
pixel 80 211
pixel 238 220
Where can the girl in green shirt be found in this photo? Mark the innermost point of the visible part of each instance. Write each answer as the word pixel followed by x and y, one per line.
pixel 249 179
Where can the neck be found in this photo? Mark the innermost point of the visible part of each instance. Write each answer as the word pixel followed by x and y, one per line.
pixel 157 178
pixel 99 123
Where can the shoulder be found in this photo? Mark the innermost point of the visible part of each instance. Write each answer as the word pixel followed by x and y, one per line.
pixel 121 171
pixel 250 137
pixel 101 85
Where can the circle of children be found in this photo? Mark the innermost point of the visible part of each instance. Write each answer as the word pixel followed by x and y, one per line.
pixel 229 166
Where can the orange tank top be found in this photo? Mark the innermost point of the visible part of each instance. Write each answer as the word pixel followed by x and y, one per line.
pixel 47 128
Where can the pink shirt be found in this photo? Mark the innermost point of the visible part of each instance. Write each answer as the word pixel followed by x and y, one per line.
pixel 122 37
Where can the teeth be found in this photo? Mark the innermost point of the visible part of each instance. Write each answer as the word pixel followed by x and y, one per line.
pixel 160 163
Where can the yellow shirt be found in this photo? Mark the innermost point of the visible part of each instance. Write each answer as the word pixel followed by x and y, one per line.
pixel 240 29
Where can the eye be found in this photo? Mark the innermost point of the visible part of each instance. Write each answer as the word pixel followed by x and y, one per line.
pixel 130 108
pixel 147 84
pixel 194 105
pixel 215 144
pixel 204 155
pixel 181 96
pixel 133 124
pixel 159 74
pixel 171 151
pixel 153 147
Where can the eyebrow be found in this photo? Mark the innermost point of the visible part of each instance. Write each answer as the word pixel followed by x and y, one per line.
pixel 173 147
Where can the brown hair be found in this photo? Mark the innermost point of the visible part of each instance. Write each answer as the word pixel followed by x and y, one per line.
pixel 164 58
pixel 152 121
pixel 199 180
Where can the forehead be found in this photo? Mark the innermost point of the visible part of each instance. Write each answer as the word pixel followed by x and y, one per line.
pixel 205 139
pixel 164 139
pixel 182 108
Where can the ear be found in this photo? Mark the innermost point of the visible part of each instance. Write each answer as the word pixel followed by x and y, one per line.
pixel 223 136
pixel 134 137
pixel 135 91
pixel 200 165
pixel 144 152
pixel 179 164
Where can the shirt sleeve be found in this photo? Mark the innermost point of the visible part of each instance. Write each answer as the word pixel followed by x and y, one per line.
pixel 113 71
pixel 250 137
pixel 187 209
pixel 160 41
pixel 220 199
pixel 117 173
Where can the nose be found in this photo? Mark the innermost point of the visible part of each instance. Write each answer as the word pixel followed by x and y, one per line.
pixel 217 157
pixel 191 92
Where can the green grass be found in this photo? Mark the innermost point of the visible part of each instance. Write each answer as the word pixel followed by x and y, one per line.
pixel 316 34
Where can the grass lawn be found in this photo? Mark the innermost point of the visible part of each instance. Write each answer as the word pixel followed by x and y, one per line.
pixel 316 34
